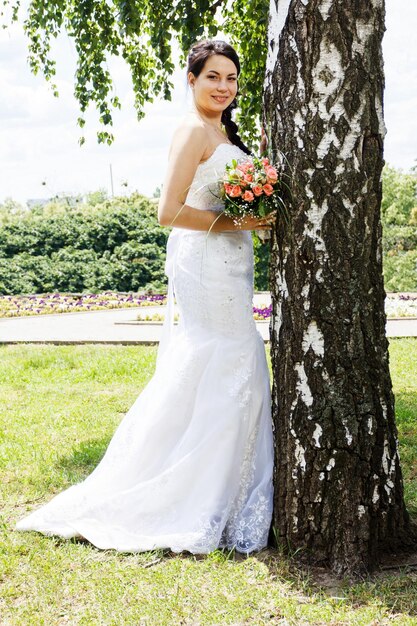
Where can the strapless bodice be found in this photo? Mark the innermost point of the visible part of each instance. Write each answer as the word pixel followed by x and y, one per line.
pixel 235 247
pixel 204 192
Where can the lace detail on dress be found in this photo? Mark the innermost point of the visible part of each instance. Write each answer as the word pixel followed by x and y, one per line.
pixel 249 520
pixel 206 539
pixel 238 530
pixel 251 532
pixel 240 387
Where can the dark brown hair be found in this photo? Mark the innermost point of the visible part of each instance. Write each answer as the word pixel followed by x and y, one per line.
pixel 197 57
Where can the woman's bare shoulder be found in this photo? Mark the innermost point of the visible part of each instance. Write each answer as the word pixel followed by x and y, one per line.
pixel 190 134
pixel 192 121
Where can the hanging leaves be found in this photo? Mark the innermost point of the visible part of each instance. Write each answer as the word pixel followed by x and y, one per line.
pixel 142 33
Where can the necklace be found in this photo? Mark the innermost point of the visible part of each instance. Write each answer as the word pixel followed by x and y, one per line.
pixel 220 129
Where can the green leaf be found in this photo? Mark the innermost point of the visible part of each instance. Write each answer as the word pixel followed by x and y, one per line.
pixel 143 34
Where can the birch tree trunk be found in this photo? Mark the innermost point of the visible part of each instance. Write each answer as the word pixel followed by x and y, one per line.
pixel 339 488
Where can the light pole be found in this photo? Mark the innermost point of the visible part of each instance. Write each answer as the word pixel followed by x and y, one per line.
pixel 111 181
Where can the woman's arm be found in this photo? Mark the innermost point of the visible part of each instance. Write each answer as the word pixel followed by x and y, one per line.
pixel 188 146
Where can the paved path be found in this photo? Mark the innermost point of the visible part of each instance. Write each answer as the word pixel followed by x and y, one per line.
pixel 118 326
pixel 114 326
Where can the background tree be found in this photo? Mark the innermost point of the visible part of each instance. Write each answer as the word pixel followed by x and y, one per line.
pixel 339 485
pixel 142 33
pixel 399 221
pixel 88 246
pixel 339 488
pixel 399 196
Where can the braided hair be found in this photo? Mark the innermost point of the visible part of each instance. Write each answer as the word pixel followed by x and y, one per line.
pixel 197 57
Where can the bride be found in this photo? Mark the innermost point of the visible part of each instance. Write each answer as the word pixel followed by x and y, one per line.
pixel 190 465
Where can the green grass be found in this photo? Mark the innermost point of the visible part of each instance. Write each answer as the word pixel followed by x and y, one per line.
pixel 59 407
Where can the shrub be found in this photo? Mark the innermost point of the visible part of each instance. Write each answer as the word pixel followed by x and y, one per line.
pixel 110 244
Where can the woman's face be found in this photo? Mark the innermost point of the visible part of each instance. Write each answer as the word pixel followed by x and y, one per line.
pixel 216 85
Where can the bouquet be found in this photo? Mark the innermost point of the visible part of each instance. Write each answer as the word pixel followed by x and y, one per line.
pixel 250 186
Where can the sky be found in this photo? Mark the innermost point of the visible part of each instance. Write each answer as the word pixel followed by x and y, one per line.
pixel 39 152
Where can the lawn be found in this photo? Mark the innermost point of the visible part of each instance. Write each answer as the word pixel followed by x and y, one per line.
pixel 59 408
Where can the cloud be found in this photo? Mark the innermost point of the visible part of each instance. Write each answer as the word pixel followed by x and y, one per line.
pixel 400 98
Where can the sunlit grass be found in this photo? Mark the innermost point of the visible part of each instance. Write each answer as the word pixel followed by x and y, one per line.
pixel 59 408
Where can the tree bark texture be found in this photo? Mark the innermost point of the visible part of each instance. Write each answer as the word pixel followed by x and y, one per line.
pixel 338 481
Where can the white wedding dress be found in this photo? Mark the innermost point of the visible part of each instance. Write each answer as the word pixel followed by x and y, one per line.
pixel 190 465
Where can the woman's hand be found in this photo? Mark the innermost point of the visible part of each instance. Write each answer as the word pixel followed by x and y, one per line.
pixel 248 222
pixel 264 142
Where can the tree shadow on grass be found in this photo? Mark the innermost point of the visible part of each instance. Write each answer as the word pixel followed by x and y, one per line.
pixel 84 459
pixel 394 587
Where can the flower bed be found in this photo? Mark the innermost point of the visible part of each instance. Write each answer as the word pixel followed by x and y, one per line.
pixel 397 305
pixel 262 313
pixel 17 306
pixel 401 305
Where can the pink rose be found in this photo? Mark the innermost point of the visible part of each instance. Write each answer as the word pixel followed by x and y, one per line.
pixel 227 188
pixel 272 175
pixel 268 189
pixel 257 190
pixel 265 161
pixel 235 191
pixel 248 196
pixel 244 167
pixel 248 178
